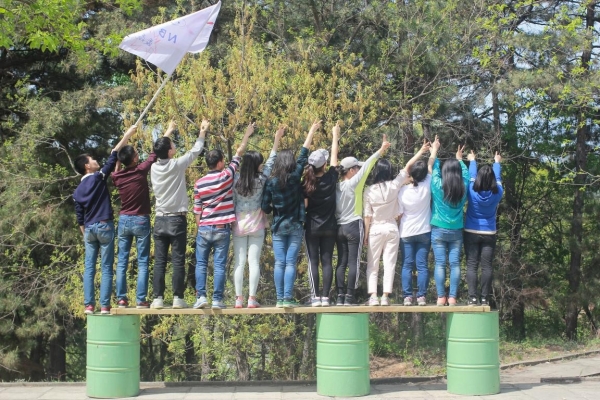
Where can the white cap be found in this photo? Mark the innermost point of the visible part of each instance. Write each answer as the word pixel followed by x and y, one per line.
pixel 351 162
pixel 318 158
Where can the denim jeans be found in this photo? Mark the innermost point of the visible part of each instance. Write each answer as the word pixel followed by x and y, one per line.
pixel 416 250
pixel 170 231
pixel 479 250
pixel 446 243
pixel 208 238
pixel 286 249
pixel 98 237
pixel 138 227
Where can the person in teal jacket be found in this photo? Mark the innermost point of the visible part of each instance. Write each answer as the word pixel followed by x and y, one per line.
pixel 449 194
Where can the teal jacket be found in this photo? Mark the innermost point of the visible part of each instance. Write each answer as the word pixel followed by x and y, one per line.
pixel 443 214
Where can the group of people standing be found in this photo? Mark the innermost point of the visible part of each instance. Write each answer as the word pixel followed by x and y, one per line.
pixel 327 207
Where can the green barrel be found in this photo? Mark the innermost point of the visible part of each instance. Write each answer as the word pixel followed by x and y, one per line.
pixel 113 356
pixel 343 355
pixel 473 358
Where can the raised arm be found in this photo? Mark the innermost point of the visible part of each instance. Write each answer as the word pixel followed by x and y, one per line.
pixel 335 144
pixel 363 172
pixel 472 166
pixel 170 128
pixel 435 147
pixel 268 167
pixel 311 133
pixel 418 155
pixel 242 148
pixel 125 138
pixel 496 167
pixel 185 160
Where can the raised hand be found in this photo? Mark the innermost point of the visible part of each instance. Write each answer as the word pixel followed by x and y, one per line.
pixel 384 145
pixel 336 130
pixel 459 152
pixel 436 143
pixel 426 146
pixel 204 125
pixel 471 156
pixel 250 128
pixel 131 130
pixel 498 157
pixel 315 126
pixel 280 132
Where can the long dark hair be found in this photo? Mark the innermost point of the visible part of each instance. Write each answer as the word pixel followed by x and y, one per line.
pixel 486 180
pixel 248 172
pixel 418 172
pixel 382 172
pixel 284 165
pixel 309 179
pixel 452 183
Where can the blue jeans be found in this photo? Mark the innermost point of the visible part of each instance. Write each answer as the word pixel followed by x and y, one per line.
pixel 208 238
pixel 138 227
pixel 446 243
pixel 98 237
pixel 416 249
pixel 286 249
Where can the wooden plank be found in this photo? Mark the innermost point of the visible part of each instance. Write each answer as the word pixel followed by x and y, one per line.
pixel 301 310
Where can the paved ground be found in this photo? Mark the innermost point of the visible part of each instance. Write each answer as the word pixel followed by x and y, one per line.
pixel 517 384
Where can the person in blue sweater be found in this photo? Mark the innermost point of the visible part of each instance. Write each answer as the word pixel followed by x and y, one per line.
pixel 95 218
pixel 484 194
pixel 449 194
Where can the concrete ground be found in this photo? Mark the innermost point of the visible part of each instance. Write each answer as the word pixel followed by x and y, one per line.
pixel 516 383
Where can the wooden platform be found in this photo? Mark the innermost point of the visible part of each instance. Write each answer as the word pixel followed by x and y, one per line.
pixel 301 310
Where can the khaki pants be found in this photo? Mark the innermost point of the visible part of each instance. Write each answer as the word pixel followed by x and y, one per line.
pixel 384 238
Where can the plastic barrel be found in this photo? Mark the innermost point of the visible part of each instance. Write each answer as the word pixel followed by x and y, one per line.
pixel 473 359
pixel 343 355
pixel 113 356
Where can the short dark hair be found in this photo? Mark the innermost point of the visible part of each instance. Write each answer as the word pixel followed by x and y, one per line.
pixel 162 147
pixel 213 157
pixel 80 163
pixel 418 172
pixel 126 155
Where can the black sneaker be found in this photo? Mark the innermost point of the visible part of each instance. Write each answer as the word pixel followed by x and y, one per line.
pixel 484 302
pixel 349 300
pixel 340 300
pixel 472 301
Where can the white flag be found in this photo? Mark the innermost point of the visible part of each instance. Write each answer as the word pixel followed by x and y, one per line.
pixel 165 45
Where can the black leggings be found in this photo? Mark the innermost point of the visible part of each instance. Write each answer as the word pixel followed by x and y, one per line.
pixel 479 250
pixel 350 238
pixel 319 245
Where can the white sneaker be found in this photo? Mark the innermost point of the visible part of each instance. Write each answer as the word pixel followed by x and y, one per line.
pixel 316 302
pixel 179 303
pixel 201 302
pixel 373 301
pixel 408 301
pixel 385 301
pixel 158 303
pixel 324 301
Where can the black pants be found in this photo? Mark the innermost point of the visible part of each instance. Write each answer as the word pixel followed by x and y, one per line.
pixel 169 231
pixel 319 245
pixel 349 245
pixel 479 250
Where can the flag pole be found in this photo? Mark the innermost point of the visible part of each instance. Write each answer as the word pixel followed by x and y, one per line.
pixel 161 87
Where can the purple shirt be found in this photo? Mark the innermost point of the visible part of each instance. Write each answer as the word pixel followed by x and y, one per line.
pixel 133 187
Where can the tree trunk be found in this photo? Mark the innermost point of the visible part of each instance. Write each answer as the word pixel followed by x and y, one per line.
pixel 581 151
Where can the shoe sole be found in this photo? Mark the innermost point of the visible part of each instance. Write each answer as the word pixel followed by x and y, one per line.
pixel 253 306
pixel 315 305
pixel 203 305
pixel 324 305
pixel 89 312
pixel 157 307
pixel 142 307
pixel 122 306
pixel 104 312
pixel 240 307
pixel 218 308
pixel 178 307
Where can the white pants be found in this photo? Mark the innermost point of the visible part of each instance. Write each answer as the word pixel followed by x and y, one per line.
pixel 250 245
pixel 384 238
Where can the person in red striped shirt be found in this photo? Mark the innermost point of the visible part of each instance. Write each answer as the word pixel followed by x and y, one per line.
pixel 213 206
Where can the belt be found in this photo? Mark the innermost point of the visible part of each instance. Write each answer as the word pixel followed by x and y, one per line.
pixel 222 226
pixel 169 214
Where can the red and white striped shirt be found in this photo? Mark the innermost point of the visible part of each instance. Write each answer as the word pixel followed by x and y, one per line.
pixel 213 196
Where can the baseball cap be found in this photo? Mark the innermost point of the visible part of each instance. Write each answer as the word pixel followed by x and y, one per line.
pixel 318 158
pixel 351 162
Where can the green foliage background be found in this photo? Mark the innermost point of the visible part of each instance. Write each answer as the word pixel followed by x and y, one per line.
pixel 518 76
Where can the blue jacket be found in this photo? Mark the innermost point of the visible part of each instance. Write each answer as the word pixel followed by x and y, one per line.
pixel 481 210
pixel 443 214
pixel 92 199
